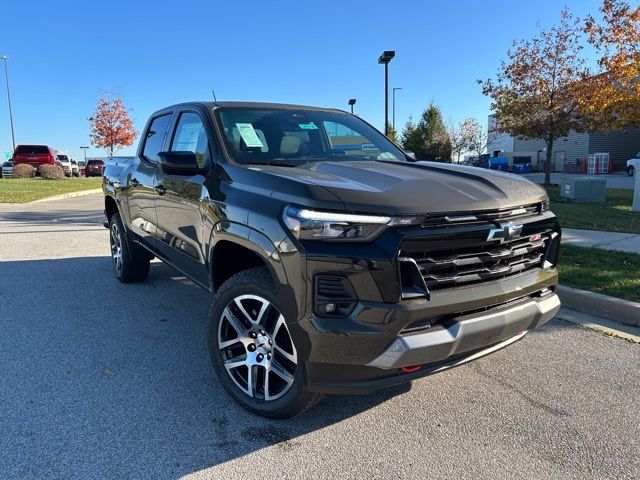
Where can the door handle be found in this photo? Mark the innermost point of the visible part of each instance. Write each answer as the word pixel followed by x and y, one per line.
pixel 134 182
pixel 160 189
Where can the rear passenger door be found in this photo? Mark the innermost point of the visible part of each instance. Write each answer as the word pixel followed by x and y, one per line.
pixel 141 193
pixel 182 202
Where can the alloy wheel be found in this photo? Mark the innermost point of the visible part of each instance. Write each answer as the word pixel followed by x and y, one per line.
pixel 116 247
pixel 256 347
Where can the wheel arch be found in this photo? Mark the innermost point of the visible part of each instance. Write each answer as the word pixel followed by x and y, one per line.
pixel 235 247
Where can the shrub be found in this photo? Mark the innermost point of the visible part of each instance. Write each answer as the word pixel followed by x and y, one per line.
pixel 51 172
pixel 23 171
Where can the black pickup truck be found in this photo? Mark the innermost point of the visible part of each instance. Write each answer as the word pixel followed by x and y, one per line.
pixel 338 264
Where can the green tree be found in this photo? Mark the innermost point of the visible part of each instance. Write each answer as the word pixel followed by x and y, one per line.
pixel 408 134
pixel 391 133
pixel 428 139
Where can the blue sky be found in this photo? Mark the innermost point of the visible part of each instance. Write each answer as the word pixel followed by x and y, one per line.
pixel 63 55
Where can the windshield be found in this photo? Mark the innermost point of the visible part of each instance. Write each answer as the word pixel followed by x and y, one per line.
pixel 297 136
pixel 63 158
pixel 94 162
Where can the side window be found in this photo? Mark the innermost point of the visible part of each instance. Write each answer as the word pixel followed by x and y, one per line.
pixel 190 136
pixel 155 136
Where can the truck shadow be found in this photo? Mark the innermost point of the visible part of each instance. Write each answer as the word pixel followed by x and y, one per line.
pixel 114 380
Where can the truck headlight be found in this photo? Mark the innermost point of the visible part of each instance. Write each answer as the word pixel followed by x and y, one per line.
pixel 307 224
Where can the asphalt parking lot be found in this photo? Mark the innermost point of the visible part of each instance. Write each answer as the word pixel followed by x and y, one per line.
pixel 105 380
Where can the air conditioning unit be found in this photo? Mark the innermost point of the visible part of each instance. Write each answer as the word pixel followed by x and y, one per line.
pixel 584 190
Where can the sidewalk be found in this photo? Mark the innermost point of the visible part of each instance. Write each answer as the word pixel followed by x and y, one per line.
pixel 623 242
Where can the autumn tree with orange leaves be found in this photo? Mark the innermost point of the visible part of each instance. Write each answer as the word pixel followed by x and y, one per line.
pixel 545 89
pixel 613 100
pixel 111 127
pixel 536 91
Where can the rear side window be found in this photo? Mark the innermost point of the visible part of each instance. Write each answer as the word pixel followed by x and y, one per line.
pixel 190 136
pixel 155 136
pixel 32 150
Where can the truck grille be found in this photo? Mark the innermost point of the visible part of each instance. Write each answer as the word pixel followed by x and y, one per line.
pixel 467 265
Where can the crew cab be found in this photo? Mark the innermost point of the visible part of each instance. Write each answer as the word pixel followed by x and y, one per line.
pixel 337 263
pixel 35 155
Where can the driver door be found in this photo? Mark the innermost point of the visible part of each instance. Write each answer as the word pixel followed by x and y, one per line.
pixel 182 200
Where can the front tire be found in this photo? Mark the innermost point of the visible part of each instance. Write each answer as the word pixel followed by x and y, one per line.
pixel 252 350
pixel 130 262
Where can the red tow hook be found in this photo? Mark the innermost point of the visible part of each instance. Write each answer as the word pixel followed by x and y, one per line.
pixel 410 368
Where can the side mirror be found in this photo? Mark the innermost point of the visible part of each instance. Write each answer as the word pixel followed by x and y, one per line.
pixel 180 163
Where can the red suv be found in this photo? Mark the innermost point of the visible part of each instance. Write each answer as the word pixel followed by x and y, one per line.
pixel 35 155
pixel 94 168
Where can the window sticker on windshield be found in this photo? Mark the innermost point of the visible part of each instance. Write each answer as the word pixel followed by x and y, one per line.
pixel 249 135
pixel 386 156
pixel 369 146
pixel 308 126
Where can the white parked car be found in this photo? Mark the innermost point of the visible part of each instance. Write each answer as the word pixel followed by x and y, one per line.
pixel 75 169
pixel 7 169
pixel 66 164
pixel 633 164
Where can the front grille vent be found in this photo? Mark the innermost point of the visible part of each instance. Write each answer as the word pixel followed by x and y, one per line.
pixel 464 266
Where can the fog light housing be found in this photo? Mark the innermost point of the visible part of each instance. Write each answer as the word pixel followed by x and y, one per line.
pixel 333 296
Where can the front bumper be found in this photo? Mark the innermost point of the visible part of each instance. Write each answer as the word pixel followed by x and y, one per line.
pixel 367 350
pixel 465 338
pixel 467 333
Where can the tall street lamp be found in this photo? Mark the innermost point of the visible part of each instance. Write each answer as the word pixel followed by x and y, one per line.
pixel 6 77
pixel 85 154
pixel 352 102
pixel 385 58
pixel 393 101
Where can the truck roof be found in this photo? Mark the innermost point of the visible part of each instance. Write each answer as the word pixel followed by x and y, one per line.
pixel 235 104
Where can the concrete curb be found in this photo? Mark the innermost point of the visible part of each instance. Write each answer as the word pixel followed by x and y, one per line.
pixel 80 193
pixel 602 325
pixel 623 311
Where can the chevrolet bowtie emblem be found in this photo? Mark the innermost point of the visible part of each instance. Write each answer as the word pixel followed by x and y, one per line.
pixel 506 231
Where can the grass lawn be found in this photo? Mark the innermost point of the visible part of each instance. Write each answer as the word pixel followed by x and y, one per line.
pixel 20 190
pixel 614 215
pixel 611 273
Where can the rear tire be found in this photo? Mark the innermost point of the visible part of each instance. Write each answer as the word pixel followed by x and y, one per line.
pixel 253 354
pixel 130 261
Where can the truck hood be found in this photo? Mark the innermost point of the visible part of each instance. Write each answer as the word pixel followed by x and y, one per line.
pixel 417 187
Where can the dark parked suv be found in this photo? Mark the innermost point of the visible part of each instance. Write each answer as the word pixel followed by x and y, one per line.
pixel 339 264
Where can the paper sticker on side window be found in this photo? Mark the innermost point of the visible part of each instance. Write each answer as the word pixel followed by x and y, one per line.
pixel 249 135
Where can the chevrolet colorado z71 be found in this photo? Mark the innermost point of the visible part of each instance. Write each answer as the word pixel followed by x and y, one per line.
pixel 338 263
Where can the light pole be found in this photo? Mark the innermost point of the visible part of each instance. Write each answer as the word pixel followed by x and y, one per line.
pixel 385 58
pixel 393 101
pixel 352 102
pixel 6 77
pixel 85 154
